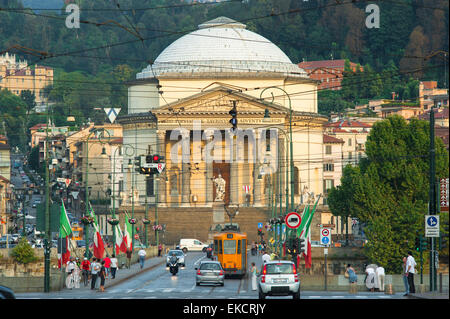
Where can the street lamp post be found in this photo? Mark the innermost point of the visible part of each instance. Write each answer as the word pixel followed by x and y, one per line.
pixel 86 229
pixel 47 214
pixel 113 186
pixel 290 140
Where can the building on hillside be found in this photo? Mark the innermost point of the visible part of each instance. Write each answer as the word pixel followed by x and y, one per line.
pixel 17 76
pixel 329 72
pixel 354 134
pixel 332 163
pixel 441 123
pixel 403 109
pixel 180 105
pixel 94 148
pixel 430 94
pixel 5 184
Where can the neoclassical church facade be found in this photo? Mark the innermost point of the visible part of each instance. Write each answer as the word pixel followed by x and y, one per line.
pixel 179 106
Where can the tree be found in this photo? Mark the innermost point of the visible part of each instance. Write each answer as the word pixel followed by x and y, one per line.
pixel 388 190
pixel 23 253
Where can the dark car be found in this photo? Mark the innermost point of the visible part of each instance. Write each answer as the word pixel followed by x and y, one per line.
pixel 6 293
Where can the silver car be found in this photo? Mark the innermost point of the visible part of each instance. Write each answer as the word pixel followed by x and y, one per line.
pixel 210 272
pixel 180 255
pixel 279 278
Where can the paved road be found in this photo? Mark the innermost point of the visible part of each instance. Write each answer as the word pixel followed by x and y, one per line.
pixel 155 282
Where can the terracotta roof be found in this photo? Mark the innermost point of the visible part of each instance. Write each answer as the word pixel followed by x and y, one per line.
pixel 331 139
pixel 428 85
pixel 347 123
pixel 38 126
pixel 438 114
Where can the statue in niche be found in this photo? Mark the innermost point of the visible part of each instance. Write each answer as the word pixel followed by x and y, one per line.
pixel 219 182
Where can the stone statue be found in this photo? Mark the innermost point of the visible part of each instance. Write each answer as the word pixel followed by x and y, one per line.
pixel 220 188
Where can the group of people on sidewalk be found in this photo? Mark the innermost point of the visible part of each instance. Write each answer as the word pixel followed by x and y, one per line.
pixel 87 270
pixel 375 275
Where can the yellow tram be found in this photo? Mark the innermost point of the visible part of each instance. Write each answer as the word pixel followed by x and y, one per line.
pixel 230 247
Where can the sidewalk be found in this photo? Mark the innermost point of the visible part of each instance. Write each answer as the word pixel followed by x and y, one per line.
pixel 429 295
pixel 134 270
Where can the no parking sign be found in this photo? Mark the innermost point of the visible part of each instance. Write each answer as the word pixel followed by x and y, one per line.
pixel 325 236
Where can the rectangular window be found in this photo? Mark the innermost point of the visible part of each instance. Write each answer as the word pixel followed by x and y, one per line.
pixel 239 247
pixel 229 247
pixel 328 167
pixel 349 142
pixel 328 149
pixel 150 185
pixel 220 247
pixel 327 185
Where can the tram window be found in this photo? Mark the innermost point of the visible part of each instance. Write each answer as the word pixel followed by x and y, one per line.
pixel 220 247
pixel 229 246
pixel 239 247
pixel 216 245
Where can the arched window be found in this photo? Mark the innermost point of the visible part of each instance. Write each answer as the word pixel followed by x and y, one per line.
pixel 174 181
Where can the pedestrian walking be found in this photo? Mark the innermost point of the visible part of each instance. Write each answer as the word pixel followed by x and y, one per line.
pixel 114 263
pixel 380 276
pixel 85 270
pixel 410 271
pixel 159 250
pixel 70 267
pixel 107 265
pixel 102 274
pixel 405 277
pixel 260 249
pixel 370 278
pixel 265 257
pixel 142 253
pixel 129 254
pixel 95 269
pixel 254 273
pixel 350 273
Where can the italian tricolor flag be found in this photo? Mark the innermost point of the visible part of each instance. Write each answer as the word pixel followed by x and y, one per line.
pixel 119 240
pixel 304 231
pixel 99 246
pixel 127 233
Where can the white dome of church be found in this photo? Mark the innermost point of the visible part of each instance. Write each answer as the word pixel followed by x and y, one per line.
pixel 221 46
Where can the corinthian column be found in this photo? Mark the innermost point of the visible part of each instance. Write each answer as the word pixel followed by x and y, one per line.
pixel 186 174
pixel 161 147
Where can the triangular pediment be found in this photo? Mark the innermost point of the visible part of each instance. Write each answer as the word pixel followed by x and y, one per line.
pixel 219 100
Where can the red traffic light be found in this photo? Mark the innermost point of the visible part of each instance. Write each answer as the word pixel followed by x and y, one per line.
pixel 155 158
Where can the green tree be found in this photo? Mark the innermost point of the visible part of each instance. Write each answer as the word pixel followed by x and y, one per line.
pixel 23 253
pixel 388 191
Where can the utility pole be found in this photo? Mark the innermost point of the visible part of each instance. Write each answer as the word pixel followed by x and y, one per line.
pixel 432 199
pixel 47 214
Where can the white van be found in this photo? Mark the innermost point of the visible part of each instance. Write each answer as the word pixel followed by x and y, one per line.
pixel 192 245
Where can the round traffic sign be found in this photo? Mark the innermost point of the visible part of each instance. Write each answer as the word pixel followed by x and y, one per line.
pixel 325 232
pixel 292 220
pixel 432 221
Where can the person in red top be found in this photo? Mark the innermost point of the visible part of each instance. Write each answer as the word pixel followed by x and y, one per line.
pixel 107 265
pixel 85 268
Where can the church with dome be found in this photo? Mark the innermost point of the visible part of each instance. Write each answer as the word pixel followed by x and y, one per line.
pixel 179 107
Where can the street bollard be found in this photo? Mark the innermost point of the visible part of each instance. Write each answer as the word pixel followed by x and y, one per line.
pixel 389 289
pixel 353 289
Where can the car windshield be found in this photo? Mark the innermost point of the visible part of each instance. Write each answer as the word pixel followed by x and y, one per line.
pixel 280 268
pixel 176 252
pixel 210 266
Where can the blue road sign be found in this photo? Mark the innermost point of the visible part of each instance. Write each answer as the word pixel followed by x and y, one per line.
pixel 432 221
pixel 260 225
pixel 325 240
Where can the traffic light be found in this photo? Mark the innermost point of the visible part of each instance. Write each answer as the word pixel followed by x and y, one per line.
pixel 417 244
pixel 233 113
pixel 137 164
pixel 423 243
pixel 301 245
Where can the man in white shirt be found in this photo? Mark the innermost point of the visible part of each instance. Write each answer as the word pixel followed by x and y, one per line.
pixel 380 276
pixel 265 257
pixel 142 253
pixel 410 271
